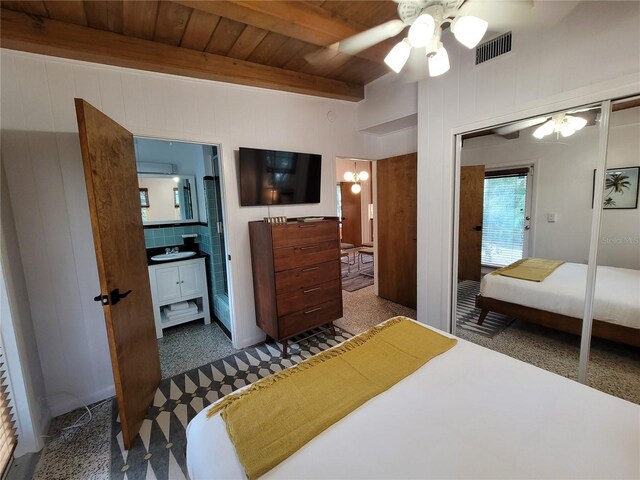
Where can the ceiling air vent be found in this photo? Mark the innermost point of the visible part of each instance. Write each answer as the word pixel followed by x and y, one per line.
pixel 493 48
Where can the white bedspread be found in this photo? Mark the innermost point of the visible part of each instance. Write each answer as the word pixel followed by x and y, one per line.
pixel 617 296
pixel 468 413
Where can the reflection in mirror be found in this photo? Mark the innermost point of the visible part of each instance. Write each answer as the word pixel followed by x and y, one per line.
pixel 614 364
pixel 167 198
pixel 524 225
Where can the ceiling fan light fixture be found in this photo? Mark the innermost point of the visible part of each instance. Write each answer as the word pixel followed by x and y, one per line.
pixel 577 123
pixel 469 30
pixel 398 56
pixel 567 130
pixel 439 62
pixel 545 129
pixel 421 30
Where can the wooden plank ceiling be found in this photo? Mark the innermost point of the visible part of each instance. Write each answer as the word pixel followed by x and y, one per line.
pixel 258 43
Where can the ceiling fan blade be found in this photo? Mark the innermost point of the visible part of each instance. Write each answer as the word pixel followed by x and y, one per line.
pixel 517 126
pixel 363 40
pixel 322 55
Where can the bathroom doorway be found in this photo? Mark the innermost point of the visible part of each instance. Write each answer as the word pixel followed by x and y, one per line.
pixel 182 209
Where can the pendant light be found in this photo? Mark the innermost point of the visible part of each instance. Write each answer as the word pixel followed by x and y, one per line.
pixel 356 178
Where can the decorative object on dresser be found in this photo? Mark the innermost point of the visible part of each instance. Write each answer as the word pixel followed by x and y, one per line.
pixel 296 276
pixel 179 293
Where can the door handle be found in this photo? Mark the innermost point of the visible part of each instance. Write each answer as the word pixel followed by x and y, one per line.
pixel 478 228
pixel 103 299
pixel 115 296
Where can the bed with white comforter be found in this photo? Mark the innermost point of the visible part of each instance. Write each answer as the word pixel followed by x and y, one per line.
pixel 468 413
pixel 617 293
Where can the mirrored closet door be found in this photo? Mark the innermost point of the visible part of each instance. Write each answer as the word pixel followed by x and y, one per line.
pixel 614 354
pixel 525 224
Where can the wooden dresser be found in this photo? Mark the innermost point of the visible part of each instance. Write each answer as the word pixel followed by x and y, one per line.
pixel 297 281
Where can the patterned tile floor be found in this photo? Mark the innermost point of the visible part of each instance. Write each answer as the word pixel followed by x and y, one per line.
pixel 159 452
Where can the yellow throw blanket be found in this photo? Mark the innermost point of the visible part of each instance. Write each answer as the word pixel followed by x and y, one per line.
pixel 532 269
pixel 279 414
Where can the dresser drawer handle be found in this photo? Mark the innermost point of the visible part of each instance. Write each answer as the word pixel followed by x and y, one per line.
pixel 311 290
pixel 309 247
pixel 309 269
pixel 312 310
pixel 306 226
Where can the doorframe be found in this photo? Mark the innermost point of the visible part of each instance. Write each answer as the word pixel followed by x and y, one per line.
pixel 196 140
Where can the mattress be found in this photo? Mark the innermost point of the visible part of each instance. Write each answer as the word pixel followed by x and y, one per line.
pixel 617 294
pixel 468 413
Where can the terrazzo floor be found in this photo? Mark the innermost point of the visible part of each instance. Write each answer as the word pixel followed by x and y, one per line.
pixel 83 453
pixel 191 345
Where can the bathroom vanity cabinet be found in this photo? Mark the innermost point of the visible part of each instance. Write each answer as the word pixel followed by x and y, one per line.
pixel 176 282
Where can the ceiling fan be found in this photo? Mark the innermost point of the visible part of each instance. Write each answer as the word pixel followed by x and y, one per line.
pixel 564 124
pixel 425 19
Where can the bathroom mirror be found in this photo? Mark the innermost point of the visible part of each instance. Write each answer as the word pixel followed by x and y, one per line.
pixel 167 198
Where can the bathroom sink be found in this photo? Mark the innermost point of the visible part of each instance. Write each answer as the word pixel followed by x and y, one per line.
pixel 165 257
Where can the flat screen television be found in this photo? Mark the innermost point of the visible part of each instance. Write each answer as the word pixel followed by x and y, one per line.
pixel 272 177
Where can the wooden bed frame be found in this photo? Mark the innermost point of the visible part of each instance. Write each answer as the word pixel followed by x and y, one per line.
pixel 608 331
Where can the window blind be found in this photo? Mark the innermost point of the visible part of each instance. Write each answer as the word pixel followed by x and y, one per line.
pixel 505 197
pixel 8 438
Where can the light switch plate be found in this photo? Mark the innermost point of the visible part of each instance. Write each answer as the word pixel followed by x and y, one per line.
pixel 552 217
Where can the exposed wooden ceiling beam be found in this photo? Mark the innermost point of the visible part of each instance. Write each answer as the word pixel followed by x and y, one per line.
pixel 303 21
pixel 51 37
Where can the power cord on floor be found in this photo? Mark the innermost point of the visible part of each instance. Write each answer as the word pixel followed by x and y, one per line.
pixel 78 422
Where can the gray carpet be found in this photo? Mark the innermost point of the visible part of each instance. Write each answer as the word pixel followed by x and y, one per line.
pixel 358 278
pixel 467 313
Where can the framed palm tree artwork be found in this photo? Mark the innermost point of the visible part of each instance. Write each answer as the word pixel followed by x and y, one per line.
pixel 620 188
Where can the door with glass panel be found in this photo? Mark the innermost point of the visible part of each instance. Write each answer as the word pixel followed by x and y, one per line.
pixel 506 215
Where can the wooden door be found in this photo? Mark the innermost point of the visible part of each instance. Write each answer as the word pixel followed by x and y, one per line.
pixel 114 204
pixel 351 215
pixel 470 225
pixel 396 184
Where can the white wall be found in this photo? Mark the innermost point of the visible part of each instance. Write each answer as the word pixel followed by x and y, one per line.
pixel 620 229
pixel 18 337
pixel 46 182
pixel 344 165
pixel 592 54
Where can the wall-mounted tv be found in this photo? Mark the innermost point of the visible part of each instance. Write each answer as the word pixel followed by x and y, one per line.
pixel 272 177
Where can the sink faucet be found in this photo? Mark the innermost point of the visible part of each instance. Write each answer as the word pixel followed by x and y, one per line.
pixel 171 250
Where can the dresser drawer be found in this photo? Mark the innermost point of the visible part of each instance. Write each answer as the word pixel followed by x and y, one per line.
pixel 305 255
pixel 299 322
pixel 303 233
pixel 301 278
pixel 304 299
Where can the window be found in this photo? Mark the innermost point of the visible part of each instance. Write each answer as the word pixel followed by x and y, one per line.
pixel 144 197
pixel 505 216
pixel 176 198
pixel 7 428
